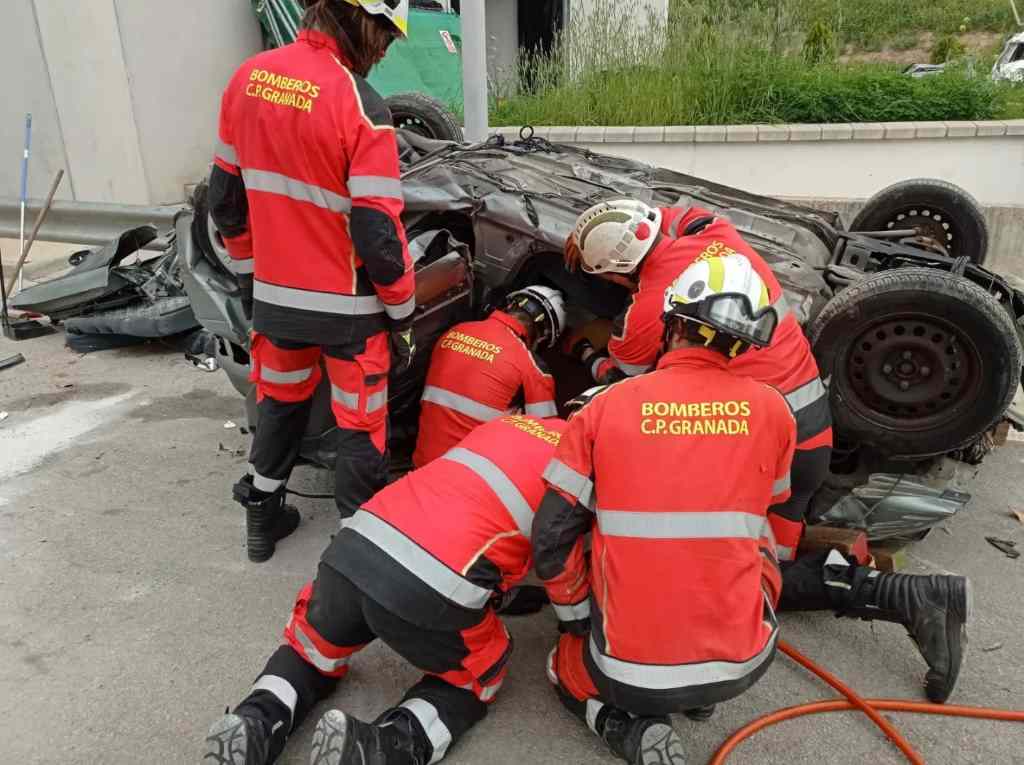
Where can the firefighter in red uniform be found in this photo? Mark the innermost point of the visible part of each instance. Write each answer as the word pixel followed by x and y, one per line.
pixel 674 609
pixel 305 190
pixel 623 238
pixel 419 567
pixel 651 247
pixel 480 370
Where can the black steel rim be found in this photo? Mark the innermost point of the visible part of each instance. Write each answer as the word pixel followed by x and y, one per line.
pixel 912 372
pixel 930 221
pixel 411 122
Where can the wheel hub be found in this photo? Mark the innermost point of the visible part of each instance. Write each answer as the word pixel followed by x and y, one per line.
pixel 911 370
pixel 930 223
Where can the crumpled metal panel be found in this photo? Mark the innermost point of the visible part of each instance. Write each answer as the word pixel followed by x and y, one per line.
pixel 525 199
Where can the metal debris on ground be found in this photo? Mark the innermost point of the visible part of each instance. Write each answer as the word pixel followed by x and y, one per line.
pixel 12 361
pixel 1005 546
pixel 229 424
pixel 993 647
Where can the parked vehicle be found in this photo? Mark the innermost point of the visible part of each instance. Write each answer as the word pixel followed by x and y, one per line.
pixel 918 342
pixel 1010 64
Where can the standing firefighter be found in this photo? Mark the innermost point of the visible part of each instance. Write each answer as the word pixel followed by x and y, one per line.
pixel 480 370
pixel 647 247
pixel 421 567
pixel 306 193
pixel 673 472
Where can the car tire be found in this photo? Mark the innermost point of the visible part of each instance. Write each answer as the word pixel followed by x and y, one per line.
pixel 205 235
pixel 919 361
pixel 941 210
pixel 425 116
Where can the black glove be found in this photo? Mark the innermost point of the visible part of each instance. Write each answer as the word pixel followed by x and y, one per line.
pixel 403 346
pixel 520 601
pixel 578 627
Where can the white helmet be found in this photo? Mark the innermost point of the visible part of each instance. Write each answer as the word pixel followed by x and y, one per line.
pixel 542 304
pixel 395 11
pixel 614 236
pixel 724 302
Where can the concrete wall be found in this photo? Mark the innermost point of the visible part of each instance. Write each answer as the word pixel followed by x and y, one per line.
pixel 502 40
pixel 124 93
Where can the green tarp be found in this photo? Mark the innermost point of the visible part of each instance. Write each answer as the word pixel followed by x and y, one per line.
pixel 429 61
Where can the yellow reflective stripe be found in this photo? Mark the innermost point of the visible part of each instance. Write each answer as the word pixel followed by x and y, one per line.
pixel 716 274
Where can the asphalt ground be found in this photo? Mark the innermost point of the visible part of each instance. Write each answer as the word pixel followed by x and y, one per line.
pixel 130 617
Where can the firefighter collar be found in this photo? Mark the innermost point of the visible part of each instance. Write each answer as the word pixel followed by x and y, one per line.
pixel 318 39
pixel 513 324
pixel 693 358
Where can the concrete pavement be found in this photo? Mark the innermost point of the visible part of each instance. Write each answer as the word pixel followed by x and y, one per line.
pixel 129 616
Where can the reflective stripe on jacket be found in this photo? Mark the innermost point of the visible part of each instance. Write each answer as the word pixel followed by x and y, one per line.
pixel 459 526
pixel 306 192
pixel 479 370
pixel 674 472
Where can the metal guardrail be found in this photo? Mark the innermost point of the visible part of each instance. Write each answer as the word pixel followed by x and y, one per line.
pixel 92 223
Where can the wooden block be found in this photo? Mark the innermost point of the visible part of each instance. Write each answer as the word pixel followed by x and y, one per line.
pixel 888 559
pixel 847 541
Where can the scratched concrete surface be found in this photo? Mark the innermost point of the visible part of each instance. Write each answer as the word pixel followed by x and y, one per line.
pixel 129 617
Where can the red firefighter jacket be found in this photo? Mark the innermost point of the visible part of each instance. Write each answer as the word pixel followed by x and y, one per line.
pixel 434 546
pixel 787 364
pixel 674 472
pixel 478 371
pixel 306 192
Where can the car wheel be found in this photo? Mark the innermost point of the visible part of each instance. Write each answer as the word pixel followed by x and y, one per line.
pixel 204 231
pixel 424 116
pixel 939 210
pixel 920 361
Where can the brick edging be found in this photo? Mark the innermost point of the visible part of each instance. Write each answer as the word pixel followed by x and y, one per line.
pixel 860 131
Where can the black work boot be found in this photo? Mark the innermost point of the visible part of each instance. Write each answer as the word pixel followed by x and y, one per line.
pixel 934 609
pixel 341 739
pixel 267 518
pixel 700 714
pixel 237 740
pixel 640 740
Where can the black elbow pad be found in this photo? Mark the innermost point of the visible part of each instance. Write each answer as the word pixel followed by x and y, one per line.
pixel 377 244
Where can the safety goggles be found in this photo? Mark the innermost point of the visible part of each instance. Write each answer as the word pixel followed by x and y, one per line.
pixel 733 314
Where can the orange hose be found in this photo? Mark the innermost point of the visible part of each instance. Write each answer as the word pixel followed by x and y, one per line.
pixel 856 702
pixel 855 699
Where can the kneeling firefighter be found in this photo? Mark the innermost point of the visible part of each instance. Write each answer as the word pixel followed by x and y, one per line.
pixel 480 370
pixel 625 239
pixel 422 567
pixel 673 472
pixel 306 192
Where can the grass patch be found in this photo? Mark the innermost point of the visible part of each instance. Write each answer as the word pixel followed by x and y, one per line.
pixel 869 24
pixel 748 61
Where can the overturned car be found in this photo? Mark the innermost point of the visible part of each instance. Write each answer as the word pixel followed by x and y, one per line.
pixel 919 344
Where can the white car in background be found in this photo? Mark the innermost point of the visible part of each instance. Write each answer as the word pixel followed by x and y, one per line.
pixel 1010 64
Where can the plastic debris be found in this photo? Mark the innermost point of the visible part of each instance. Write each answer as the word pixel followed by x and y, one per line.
pixel 1005 546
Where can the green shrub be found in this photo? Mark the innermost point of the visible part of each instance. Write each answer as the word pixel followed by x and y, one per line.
pixel 820 47
pixel 947 48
